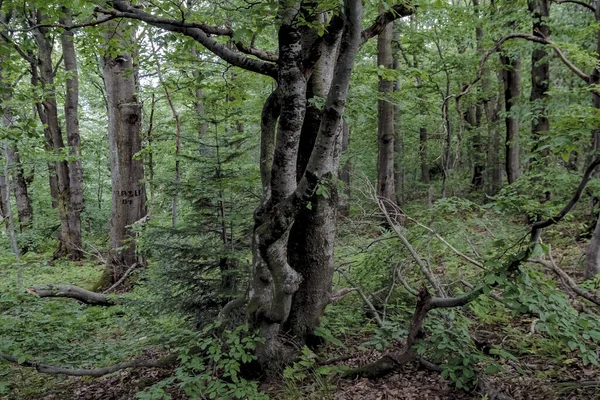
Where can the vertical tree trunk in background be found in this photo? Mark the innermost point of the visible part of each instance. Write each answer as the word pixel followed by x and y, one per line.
pixel 398 137
pixel 344 173
pixel 423 155
pixel 492 107
pixel 540 72
pixel 592 265
pixel 125 140
pixel 73 139
pixel 511 74
pixel 203 125
pixel 23 203
pixel 48 113
pixel 477 179
pixel 386 188
pixel 595 80
pixel 20 190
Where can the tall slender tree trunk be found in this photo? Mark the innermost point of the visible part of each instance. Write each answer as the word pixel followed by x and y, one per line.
pixel 511 76
pixel 398 137
pixel 202 125
pixel 48 112
pixel 125 140
pixel 386 188
pixel 540 72
pixel 592 265
pixel 22 201
pixel 423 155
pixel 76 204
pixel 20 190
pixel 478 174
pixel 345 173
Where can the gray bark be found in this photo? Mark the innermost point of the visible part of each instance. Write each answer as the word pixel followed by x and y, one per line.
pixel 345 174
pixel 76 204
pixel 281 295
pixel 386 188
pixel 540 71
pixel 477 179
pixel 72 292
pixel 423 155
pixel 511 76
pixel 127 173
pixel 22 201
pixel 48 113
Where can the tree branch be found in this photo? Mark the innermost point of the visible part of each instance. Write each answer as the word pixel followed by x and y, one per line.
pixel 581 3
pixel 395 12
pixel 198 32
pixel 95 372
pixel 72 292
pixel 525 36
pixel 558 217
pixel 567 280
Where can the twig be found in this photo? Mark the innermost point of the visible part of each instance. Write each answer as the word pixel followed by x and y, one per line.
pixel 122 278
pixel 567 280
pixel 365 299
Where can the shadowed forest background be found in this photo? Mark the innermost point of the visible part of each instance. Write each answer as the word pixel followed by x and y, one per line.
pixel 300 199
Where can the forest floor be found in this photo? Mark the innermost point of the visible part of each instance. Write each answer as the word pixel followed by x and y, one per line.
pixel 63 332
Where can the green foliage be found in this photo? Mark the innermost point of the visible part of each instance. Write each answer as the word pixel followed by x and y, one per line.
pixel 210 366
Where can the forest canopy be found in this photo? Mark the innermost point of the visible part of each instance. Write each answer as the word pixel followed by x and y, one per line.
pixel 286 199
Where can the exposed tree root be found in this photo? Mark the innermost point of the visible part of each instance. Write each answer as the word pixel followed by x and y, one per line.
pixel 72 292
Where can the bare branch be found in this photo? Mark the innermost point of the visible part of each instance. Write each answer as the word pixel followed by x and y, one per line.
pixel 558 217
pixel 95 372
pixel 581 3
pixel 525 36
pixel 567 280
pixel 198 32
pixel 395 12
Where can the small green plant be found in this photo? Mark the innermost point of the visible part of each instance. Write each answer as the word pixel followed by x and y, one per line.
pixel 210 367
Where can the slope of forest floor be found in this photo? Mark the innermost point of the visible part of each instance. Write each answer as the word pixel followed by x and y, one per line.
pixel 532 365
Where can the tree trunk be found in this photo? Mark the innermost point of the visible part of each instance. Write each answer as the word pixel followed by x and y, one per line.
pixel 398 137
pixel 423 155
pixel 540 73
pixel 386 188
pixel 595 80
pixel 281 296
pixel 76 204
pixel 125 140
pixel 312 237
pixel 20 191
pixel 592 265
pixel 511 74
pixel 477 179
pixel 48 113
pixel 344 173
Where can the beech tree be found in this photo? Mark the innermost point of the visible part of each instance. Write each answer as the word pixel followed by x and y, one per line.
pixel 300 146
pixel 125 141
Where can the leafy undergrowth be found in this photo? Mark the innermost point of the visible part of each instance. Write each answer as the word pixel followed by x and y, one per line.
pixel 65 333
pixel 538 342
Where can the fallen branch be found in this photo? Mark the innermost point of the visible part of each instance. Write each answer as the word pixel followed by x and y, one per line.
pixel 72 292
pixel 95 372
pixel 568 280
